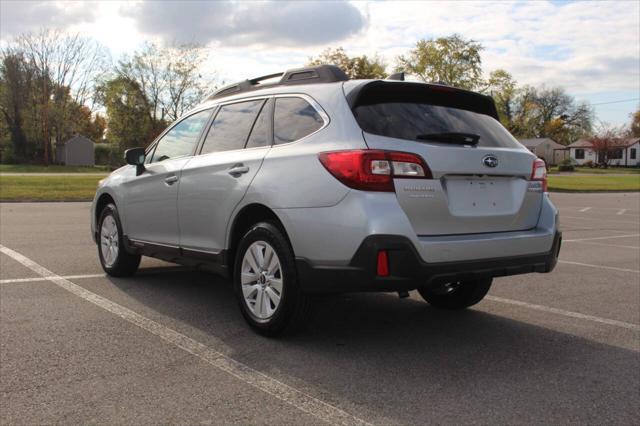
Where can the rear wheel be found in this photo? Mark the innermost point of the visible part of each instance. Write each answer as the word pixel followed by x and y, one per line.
pixel 266 282
pixel 114 258
pixel 456 295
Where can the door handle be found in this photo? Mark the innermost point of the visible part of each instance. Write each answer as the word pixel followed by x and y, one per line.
pixel 238 170
pixel 171 180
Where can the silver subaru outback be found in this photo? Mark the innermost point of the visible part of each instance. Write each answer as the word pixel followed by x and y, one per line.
pixel 307 182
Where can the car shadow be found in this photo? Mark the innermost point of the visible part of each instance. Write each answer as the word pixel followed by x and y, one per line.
pixel 392 360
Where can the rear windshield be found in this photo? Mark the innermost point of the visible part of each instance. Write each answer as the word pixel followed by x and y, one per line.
pixel 407 120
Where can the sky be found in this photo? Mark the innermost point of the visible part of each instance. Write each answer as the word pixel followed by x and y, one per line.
pixel 592 49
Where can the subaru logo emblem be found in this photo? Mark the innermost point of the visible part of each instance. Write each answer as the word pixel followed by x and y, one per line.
pixel 490 161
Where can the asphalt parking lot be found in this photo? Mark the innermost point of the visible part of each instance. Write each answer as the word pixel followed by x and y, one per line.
pixel 170 345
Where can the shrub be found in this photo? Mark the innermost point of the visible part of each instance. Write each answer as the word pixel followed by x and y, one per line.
pixel 107 154
pixel 588 164
pixel 566 165
pixel 7 156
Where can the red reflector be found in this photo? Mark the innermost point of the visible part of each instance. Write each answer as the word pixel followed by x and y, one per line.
pixel 383 264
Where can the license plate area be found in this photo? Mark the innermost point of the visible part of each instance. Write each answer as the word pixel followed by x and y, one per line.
pixel 480 196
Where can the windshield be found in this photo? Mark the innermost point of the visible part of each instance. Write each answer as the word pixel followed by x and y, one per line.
pixel 414 121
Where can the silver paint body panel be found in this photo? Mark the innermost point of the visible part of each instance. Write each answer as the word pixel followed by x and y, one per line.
pixel 326 221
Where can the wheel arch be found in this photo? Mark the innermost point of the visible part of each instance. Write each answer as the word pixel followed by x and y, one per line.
pixel 103 200
pixel 249 215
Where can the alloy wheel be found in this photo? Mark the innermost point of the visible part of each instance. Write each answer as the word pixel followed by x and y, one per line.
pixel 261 279
pixel 109 241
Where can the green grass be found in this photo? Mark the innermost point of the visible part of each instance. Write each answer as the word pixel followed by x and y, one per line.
pixel 48 188
pixel 610 170
pixel 54 168
pixel 579 182
pixel 82 188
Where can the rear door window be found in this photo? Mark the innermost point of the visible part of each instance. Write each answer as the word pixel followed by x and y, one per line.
pixel 231 127
pixel 294 118
pixel 260 133
pixel 408 120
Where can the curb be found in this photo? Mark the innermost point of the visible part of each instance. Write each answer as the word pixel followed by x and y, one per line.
pixel 594 191
pixel 45 201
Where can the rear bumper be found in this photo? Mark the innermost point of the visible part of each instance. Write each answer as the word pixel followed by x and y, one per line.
pixel 408 271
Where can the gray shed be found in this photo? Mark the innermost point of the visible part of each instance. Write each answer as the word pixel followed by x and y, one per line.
pixel 77 151
pixel 547 149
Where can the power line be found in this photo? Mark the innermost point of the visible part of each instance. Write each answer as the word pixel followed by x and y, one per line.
pixel 617 102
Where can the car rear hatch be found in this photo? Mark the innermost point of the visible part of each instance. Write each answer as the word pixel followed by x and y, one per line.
pixel 480 174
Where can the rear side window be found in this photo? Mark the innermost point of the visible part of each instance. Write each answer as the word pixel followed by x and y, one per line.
pixel 408 120
pixel 293 119
pixel 231 127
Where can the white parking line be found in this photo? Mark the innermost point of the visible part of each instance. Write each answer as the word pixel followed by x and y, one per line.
pixel 621 211
pixel 586 209
pixel 604 244
pixel 67 277
pixel 598 219
pixel 298 399
pixel 613 268
pixel 600 238
pixel 607 321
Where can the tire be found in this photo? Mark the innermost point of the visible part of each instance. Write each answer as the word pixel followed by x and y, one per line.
pixel 114 258
pixel 457 295
pixel 265 282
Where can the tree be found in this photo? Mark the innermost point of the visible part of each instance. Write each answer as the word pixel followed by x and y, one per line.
pixel 550 112
pixel 605 142
pixel 185 85
pixel 170 78
pixel 634 127
pixel 451 60
pixel 129 123
pixel 502 87
pixel 356 67
pixel 17 80
pixel 66 65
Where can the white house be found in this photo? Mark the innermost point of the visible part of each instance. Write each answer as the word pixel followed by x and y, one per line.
pixel 626 152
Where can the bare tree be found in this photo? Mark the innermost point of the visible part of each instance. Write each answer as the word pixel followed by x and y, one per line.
pixel 185 85
pixel 169 77
pixel 148 69
pixel 67 65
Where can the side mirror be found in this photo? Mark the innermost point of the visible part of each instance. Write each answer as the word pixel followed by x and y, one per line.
pixel 135 157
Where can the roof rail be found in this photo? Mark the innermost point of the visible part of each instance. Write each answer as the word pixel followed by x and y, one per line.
pixel 399 76
pixel 307 75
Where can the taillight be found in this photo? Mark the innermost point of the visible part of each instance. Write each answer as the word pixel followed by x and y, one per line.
pixel 373 170
pixel 539 173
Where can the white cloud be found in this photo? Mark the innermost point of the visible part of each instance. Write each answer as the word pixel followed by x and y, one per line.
pixel 25 16
pixel 248 23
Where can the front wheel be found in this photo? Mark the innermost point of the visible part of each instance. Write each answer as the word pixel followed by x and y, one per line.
pixel 456 295
pixel 114 258
pixel 266 282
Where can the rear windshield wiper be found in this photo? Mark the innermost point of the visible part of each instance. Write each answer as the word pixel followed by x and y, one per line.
pixel 457 138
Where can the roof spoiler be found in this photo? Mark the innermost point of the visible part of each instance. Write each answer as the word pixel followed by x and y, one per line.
pixel 383 91
pixel 307 75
